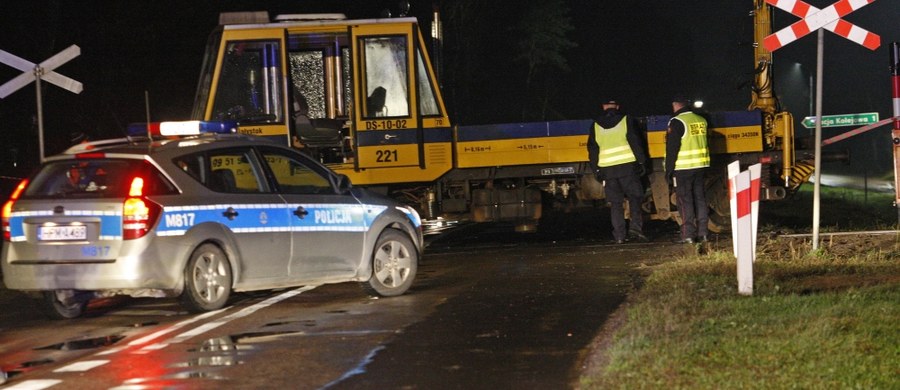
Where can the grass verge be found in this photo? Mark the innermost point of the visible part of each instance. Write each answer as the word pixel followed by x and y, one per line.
pixel 816 320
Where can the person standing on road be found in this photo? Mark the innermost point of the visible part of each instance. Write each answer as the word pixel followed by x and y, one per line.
pixel 618 160
pixel 686 162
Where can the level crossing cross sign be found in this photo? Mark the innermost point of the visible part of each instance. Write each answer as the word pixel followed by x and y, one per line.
pixel 813 19
pixel 36 73
pixel 44 70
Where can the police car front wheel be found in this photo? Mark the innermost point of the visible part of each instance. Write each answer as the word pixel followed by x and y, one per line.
pixel 394 264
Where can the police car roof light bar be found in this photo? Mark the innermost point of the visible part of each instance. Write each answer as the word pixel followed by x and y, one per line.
pixel 182 128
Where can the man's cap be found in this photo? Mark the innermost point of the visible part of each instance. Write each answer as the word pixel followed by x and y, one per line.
pixel 610 101
pixel 681 98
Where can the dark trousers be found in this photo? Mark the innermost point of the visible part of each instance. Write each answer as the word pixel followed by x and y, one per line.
pixel 691 196
pixel 616 191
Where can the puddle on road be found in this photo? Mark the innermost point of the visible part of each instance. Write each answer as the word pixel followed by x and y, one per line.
pixel 143 324
pixel 73 345
pixel 210 361
pixel 195 374
pixel 221 344
pixel 23 368
pixel 304 323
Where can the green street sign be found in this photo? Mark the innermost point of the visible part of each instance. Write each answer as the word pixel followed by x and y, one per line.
pixel 866 118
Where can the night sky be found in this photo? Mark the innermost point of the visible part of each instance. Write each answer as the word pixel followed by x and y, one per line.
pixel 638 52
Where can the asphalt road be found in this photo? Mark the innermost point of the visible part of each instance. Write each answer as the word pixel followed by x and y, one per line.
pixel 490 309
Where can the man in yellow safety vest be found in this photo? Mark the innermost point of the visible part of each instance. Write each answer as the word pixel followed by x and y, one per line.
pixel 617 158
pixel 686 162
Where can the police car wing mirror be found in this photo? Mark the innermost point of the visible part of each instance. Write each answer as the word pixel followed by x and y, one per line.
pixel 343 184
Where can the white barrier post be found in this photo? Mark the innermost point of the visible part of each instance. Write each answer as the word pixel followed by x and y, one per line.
pixel 734 169
pixel 744 234
pixel 755 173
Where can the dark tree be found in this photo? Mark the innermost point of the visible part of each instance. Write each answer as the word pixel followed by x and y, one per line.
pixel 542 42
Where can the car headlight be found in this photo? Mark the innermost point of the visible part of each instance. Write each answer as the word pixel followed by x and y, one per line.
pixel 412 214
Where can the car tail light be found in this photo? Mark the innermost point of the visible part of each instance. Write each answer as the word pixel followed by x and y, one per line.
pixel 138 213
pixel 7 208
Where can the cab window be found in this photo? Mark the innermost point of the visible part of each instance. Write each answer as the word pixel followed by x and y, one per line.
pixel 294 175
pixel 386 76
pixel 250 85
pixel 427 101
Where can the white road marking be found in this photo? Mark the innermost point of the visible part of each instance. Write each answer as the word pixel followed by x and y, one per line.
pixel 231 317
pixel 146 339
pixel 82 366
pixel 34 384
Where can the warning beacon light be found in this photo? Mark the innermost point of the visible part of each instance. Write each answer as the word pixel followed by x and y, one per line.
pixel 181 128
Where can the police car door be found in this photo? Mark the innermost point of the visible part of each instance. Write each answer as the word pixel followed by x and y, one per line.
pixel 327 228
pixel 243 202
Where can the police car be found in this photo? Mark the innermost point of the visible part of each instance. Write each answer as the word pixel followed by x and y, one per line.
pixel 189 209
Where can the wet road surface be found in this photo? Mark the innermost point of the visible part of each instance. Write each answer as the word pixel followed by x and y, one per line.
pixel 490 308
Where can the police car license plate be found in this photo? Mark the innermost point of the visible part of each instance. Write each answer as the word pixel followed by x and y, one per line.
pixel 62 233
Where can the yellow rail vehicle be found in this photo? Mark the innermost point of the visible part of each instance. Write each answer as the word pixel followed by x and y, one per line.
pixel 362 96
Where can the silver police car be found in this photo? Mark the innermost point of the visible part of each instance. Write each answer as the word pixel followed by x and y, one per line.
pixel 198 212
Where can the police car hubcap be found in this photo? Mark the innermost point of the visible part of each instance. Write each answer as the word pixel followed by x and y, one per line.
pixel 207 274
pixel 391 264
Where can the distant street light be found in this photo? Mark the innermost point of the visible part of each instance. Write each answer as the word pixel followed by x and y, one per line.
pixel 698 104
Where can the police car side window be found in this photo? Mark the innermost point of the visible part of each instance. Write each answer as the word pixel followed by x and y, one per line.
pixel 226 170
pixel 293 175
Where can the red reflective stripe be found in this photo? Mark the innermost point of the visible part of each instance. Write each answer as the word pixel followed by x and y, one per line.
pixel 743 203
pixel 843 7
pixel 872 41
pixel 83 156
pixel 800 29
pixel 771 42
pixel 843 27
pixel 800 9
pixel 754 190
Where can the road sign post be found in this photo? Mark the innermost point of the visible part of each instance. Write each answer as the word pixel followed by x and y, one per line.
pixel 812 18
pixel 36 73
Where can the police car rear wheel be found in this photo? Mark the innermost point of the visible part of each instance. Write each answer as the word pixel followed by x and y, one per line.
pixel 394 264
pixel 64 304
pixel 207 279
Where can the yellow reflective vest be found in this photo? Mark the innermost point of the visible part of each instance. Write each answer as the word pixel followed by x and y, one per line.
pixel 614 147
pixel 694 152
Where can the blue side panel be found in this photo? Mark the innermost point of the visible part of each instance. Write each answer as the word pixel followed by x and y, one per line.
pixel 716 119
pixel 443 134
pixel 377 137
pixel 736 118
pixel 573 127
pixel 110 223
pixel 403 136
pixel 502 131
pixel 261 218
pixel 523 130
pixel 658 122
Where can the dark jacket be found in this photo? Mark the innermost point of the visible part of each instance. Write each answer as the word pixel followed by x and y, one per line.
pixel 609 119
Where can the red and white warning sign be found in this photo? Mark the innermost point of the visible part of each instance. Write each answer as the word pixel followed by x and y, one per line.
pixel 813 19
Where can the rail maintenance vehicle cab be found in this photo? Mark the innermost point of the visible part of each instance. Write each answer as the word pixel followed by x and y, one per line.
pixel 358 95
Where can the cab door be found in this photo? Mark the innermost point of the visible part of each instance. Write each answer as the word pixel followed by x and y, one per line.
pixel 248 82
pixel 387 125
